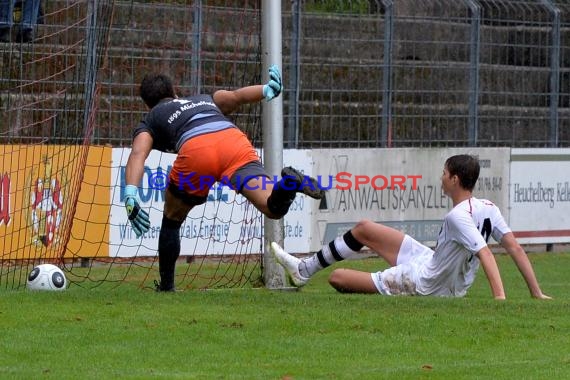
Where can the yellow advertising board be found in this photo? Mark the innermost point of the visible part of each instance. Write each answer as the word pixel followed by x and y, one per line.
pixel 54 201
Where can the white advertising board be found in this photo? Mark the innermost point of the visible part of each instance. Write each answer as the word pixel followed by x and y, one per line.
pixel 227 223
pixel 398 187
pixel 540 195
pixel 297 226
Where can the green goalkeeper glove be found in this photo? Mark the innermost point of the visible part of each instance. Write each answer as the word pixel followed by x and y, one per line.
pixel 137 216
pixel 274 87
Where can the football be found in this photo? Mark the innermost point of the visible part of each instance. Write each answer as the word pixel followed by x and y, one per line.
pixel 46 277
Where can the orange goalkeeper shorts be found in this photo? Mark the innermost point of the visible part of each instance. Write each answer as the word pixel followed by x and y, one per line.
pixel 209 158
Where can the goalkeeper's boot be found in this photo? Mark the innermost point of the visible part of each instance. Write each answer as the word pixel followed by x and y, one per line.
pixel 159 287
pixel 294 179
pixel 290 263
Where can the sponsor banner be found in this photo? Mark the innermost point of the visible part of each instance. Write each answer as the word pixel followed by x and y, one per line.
pixel 90 230
pixel 226 224
pixel 397 187
pixel 540 195
pixel 38 185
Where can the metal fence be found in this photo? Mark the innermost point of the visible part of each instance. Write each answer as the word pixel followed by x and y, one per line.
pixel 360 73
pixel 429 73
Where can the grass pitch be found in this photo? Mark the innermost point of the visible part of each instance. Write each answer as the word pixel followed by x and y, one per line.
pixel 315 333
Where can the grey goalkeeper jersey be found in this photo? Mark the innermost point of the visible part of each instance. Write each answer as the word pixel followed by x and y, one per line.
pixel 173 121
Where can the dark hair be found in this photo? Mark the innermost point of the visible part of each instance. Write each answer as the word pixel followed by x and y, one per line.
pixel 466 168
pixel 154 88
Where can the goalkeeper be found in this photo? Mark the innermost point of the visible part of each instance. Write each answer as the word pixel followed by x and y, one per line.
pixel 209 147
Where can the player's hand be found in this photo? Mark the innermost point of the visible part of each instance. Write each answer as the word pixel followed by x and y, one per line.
pixel 137 216
pixel 274 87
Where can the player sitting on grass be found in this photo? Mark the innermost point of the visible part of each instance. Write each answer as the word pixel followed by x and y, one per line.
pixel 209 148
pixel 448 270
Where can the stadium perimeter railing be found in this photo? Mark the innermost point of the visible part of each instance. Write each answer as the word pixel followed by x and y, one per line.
pixel 358 73
pixel 430 73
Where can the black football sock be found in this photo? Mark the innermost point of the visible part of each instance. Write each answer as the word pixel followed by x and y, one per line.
pixel 337 250
pixel 281 198
pixel 168 252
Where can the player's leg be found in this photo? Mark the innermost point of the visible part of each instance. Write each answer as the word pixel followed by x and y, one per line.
pixel 186 189
pixel 272 202
pixel 384 240
pixel 270 196
pixel 300 270
pixel 396 280
pixel 284 191
pixel 240 165
pixel 352 281
pixel 257 190
pixel 399 279
pixel 177 205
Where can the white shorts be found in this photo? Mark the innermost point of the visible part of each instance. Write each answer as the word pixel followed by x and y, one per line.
pixel 401 279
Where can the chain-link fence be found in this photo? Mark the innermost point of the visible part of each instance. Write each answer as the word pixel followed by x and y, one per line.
pixel 429 73
pixel 359 73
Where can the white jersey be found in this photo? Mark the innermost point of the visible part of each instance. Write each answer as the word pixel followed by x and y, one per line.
pixel 450 271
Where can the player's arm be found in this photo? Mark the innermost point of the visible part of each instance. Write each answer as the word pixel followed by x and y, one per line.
pixel 142 145
pixel 228 101
pixel 462 227
pixel 519 256
pixel 491 269
pixel 139 218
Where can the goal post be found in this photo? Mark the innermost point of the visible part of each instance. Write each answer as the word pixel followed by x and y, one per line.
pixel 272 124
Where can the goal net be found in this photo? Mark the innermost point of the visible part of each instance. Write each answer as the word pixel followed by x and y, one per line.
pixel 69 103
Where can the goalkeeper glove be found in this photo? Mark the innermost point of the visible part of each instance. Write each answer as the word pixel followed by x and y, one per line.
pixel 137 216
pixel 274 87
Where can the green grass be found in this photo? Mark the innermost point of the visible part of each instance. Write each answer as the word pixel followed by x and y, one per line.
pixel 335 6
pixel 314 333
